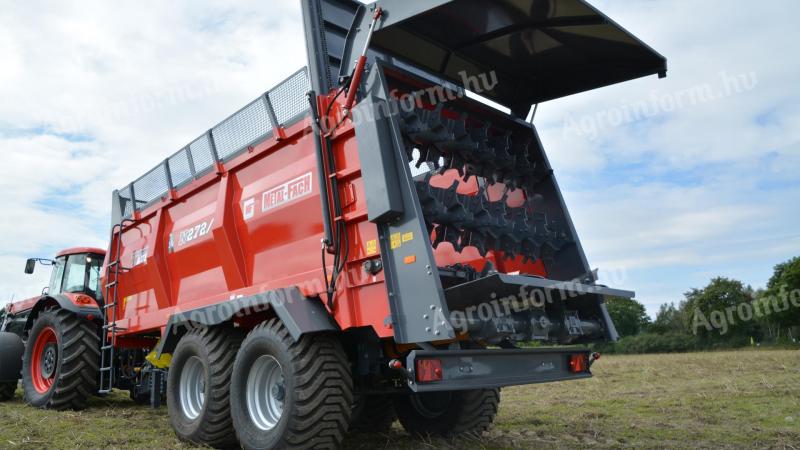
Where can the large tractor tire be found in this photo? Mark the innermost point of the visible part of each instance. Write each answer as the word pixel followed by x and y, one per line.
pixel 7 391
pixel 198 386
pixel 448 413
pixel 372 414
pixel 11 352
pixel 62 361
pixel 287 394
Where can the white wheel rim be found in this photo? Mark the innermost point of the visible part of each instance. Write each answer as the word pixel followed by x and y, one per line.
pixel 193 388
pixel 265 392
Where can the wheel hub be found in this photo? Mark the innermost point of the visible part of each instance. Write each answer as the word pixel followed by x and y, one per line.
pixel 192 391
pixel 266 392
pixel 49 359
pixel 44 360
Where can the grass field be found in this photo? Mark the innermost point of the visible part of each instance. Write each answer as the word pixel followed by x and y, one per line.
pixel 743 399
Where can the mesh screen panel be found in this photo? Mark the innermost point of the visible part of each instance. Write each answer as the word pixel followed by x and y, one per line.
pixel 179 168
pixel 289 98
pixel 151 187
pixel 202 156
pixel 247 126
pixel 125 202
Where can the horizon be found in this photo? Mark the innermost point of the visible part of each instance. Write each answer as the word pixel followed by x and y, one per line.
pixel 664 197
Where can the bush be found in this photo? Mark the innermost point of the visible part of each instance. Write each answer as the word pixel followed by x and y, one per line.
pixel 653 343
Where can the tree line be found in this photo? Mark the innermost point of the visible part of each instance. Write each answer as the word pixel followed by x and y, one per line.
pixel 724 314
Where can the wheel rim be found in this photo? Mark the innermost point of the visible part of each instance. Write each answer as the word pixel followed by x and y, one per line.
pixel 266 392
pixel 431 404
pixel 44 360
pixel 193 388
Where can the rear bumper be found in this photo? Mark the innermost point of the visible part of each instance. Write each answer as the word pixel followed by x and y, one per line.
pixel 485 369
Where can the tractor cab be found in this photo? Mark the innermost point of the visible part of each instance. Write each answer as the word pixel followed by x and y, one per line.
pixel 75 271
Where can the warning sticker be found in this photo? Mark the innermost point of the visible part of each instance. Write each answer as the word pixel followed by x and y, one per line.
pixel 408 237
pixel 396 241
pixel 372 247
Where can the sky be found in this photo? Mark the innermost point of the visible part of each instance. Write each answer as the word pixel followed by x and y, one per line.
pixel 669 182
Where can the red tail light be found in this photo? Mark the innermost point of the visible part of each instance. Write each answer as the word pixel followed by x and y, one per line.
pixel 579 363
pixel 429 370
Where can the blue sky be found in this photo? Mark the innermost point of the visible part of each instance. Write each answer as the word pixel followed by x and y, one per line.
pixel 670 182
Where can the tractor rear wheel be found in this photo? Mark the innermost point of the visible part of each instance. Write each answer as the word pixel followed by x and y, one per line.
pixel 290 394
pixel 62 361
pixel 448 413
pixel 198 386
pixel 372 414
pixel 7 391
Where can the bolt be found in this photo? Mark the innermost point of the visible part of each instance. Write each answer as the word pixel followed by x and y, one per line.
pixel 425 316
pixel 433 307
pixel 428 329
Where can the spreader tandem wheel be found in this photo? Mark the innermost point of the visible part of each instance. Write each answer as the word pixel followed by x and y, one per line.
pixel 448 413
pixel 290 394
pixel 198 386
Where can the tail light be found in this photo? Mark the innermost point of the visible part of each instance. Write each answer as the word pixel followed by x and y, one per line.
pixel 429 370
pixel 579 363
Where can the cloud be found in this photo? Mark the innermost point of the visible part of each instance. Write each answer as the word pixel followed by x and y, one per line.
pixel 92 97
pixel 704 187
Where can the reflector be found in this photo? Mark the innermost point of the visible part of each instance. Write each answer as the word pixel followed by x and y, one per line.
pixel 579 363
pixel 429 370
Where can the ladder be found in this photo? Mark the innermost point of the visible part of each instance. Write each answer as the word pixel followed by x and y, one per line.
pixel 111 294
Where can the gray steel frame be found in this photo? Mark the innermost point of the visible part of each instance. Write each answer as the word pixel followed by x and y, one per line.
pixel 486 369
pixel 419 309
pixel 416 297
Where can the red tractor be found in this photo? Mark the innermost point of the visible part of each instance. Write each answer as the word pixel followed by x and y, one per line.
pixel 367 241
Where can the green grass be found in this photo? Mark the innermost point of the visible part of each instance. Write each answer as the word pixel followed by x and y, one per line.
pixel 739 399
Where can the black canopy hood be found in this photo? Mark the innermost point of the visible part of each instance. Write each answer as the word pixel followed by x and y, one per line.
pixel 535 50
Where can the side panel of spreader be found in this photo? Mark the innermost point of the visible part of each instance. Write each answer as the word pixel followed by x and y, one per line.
pixel 251 225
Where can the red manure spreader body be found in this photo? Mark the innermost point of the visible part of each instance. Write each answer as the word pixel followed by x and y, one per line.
pixel 368 241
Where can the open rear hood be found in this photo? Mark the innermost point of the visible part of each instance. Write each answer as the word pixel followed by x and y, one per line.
pixel 538 50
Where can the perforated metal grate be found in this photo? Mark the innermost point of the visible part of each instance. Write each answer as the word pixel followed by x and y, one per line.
pixel 152 186
pixel 246 127
pixel 203 157
pixel 180 168
pixel 126 206
pixel 289 98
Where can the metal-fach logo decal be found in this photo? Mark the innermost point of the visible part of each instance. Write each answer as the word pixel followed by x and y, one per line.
pixel 140 256
pixel 279 195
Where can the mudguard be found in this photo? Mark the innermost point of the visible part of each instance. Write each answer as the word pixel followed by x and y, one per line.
pixel 300 315
pixel 69 302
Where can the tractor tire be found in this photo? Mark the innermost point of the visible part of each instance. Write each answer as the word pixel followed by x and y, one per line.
pixel 12 350
pixel 287 394
pixel 448 413
pixel 62 361
pixel 7 391
pixel 198 386
pixel 372 414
